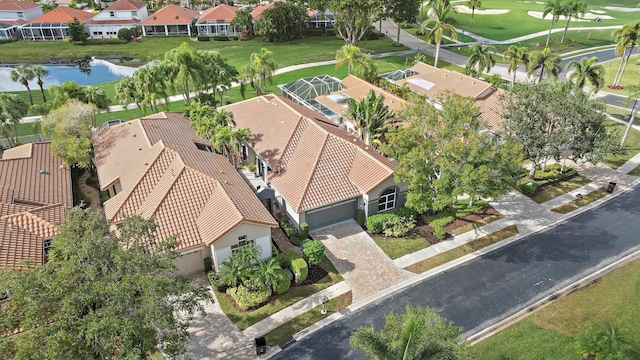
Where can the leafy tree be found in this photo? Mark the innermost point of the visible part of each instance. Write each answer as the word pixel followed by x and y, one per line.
pixel 47 7
pixel 100 296
pixel 626 39
pixel 352 18
pixel 259 71
pixel 243 20
pixel 283 22
pixel 556 9
pixel 369 116
pixel 402 11
pixel 473 4
pixel 367 69
pixel 587 70
pixel 125 34
pixel 76 31
pixel 573 8
pixel 482 56
pixel 440 24
pixel 544 59
pixel 23 74
pixel 419 333
pixel 12 109
pixel 69 90
pixel 218 73
pixel 516 55
pixel 69 127
pixel 185 69
pixel 39 73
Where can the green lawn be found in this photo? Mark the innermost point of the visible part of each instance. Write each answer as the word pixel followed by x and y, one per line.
pixel 244 319
pixel 632 144
pixel 630 77
pixel 548 333
pixel 578 203
pixel 635 172
pixel 397 247
pixel 560 189
pixel 477 224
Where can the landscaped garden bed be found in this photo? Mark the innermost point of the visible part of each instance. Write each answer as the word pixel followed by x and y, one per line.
pixel 551 183
pixel 583 201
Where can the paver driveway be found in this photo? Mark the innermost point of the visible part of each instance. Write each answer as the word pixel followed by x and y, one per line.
pixel 363 265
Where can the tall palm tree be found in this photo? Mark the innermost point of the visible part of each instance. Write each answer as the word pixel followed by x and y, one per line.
pixel 350 55
pixel 185 69
pixel 260 70
pixel 572 8
pixel 635 90
pixel 439 25
pixel 626 38
pixel 544 59
pixel 473 4
pixel 587 70
pixel 516 55
pixel 12 109
pixel 482 56
pixel 555 8
pixel 218 74
pixel 369 116
pixel 23 74
pixel 367 69
pixel 40 72
pixel 127 91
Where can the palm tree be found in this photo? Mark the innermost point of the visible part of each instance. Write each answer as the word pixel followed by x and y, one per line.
pixel 635 90
pixel 545 59
pixel 482 56
pixel 40 72
pixel 440 24
pixel 516 55
pixel 368 116
pixel 626 38
pixel 12 109
pixel 473 4
pixel 555 8
pixel 571 8
pixel 267 272
pixel 587 70
pixel 232 271
pixel 185 68
pixel 127 91
pixel 586 343
pixel 23 74
pixel 259 70
pixel 350 55
pixel 249 254
pixel 367 69
pixel 218 74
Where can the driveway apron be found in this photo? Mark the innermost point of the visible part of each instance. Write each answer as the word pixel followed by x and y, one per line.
pixel 362 264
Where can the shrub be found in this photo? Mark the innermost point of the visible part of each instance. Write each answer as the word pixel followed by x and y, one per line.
pixel 221 38
pixel 125 34
pixel 251 167
pixel 527 186
pixel 371 34
pixel 398 226
pixel 246 298
pixel 290 230
pixel 78 43
pixel 313 251
pixel 375 223
pixel 234 37
pixel 283 282
pixel 286 257
pixel 406 213
pixel 441 219
pixel 300 269
pixel 215 282
pixel 304 231
pixel 360 217
pixel 314 32
pixel 331 32
pixel 207 264
pixel 203 38
pixel 104 42
pixel 7 41
pixel 440 232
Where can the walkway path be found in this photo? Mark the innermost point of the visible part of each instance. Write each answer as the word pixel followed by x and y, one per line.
pixel 89 191
pixel 364 266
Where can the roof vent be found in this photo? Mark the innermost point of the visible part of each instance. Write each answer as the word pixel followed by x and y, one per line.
pixel 139 149
pixel 172 173
pixel 221 171
pixel 177 17
pixel 282 122
pixel 146 163
pixel 134 135
pixel 155 18
pixel 226 182
pixel 43 172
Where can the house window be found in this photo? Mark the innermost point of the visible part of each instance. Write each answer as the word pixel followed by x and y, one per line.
pixel 204 147
pixel 112 13
pixel 20 14
pixel 134 13
pixel 387 200
pixel 242 242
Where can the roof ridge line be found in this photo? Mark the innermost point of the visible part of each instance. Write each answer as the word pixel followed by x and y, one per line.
pixel 173 183
pixel 315 166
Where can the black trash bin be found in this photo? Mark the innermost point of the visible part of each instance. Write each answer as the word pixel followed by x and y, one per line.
pixel 261 345
pixel 611 186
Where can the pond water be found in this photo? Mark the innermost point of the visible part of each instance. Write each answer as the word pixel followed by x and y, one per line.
pixel 101 71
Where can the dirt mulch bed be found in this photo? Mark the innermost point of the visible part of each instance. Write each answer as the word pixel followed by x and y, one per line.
pixel 426 231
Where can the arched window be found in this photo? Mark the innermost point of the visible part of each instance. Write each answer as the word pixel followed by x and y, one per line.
pixel 387 200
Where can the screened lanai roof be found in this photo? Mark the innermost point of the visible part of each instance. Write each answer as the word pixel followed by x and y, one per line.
pixel 399 74
pixel 304 91
pixel 46 25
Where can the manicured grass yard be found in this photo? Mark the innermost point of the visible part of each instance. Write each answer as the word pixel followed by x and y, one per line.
pixel 632 144
pixel 635 172
pixel 548 333
pixel 630 77
pixel 463 250
pixel 578 203
pixel 477 224
pixel 244 319
pixel 397 247
pixel 561 188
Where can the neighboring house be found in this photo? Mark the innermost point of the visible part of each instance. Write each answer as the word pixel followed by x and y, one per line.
pixel 35 193
pixel 14 13
pixel 124 14
pixel 217 21
pixel 257 11
pixel 170 20
pixel 318 173
pixel 320 20
pixel 432 82
pixel 157 167
pixel 54 25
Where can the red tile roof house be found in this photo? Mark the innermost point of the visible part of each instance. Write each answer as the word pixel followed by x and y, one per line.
pixel 53 26
pixel 35 193
pixel 157 167
pixel 124 14
pixel 318 173
pixel 170 20
pixel 217 20
pixel 14 13
pixel 257 11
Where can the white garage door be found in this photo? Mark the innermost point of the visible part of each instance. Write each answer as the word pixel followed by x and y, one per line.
pixel 190 263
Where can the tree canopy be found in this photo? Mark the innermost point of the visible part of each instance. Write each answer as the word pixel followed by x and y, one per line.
pixel 69 127
pixel 100 296
pixel 352 18
pixel 283 22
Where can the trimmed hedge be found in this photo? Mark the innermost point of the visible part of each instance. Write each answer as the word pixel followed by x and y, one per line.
pixel 7 41
pixel 286 257
pixel 314 32
pixel 331 32
pixel 208 266
pixel 299 267
pixel 103 42
pixel 527 186
pixel 221 38
pixel 396 223
pixel 283 282
pixel 203 38
pixel 304 231
pixel 375 223
pixel 290 230
pixel 313 251
pixel 405 212
pixel 246 298
pixel 398 226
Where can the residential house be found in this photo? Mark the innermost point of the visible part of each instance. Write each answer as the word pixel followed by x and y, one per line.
pixel 319 19
pixel 124 14
pixel 171 20
pixel 35 193
pixel 14 13
pixel 317 172
pixel 54 25
pixel 256 12
pixel 217 21
pixel 157 167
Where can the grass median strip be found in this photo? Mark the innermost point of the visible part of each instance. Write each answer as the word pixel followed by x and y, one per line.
pixel 578 203
pixel 397 247
pixel 477 224
pixel 463 250
pixel 561 188
pixel 277 335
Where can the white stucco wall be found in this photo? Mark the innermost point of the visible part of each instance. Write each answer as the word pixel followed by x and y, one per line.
pixel 122 14
pixel 26 14
pixel 221 248
pixel 372 196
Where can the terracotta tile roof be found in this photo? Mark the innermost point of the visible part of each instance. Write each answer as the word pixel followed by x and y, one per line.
pixel 221 12
pixel 315 163
pixel 114 22
pixel 190 192
pixel 34 195
pixel 257 11
pixel 12 22
pixel 10 5
pixel 63 14
pixel 357 89
pixel 126 5
pixel 171 14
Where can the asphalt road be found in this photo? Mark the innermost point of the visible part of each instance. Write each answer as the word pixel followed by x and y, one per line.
pixel 492 287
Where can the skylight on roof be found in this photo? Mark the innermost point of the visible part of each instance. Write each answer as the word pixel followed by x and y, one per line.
pixel 427 85
pixel 340 99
